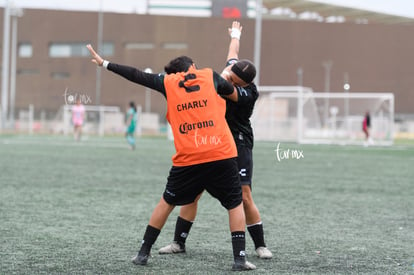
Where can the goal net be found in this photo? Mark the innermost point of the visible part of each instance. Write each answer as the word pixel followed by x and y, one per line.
pixel 99 120
pixel 294 113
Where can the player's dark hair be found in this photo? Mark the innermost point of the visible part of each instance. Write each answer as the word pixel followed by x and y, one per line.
pixel 132 105
pixel 179 64
pixel 245 70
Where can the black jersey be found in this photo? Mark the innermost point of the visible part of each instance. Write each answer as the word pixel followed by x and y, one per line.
pixel 238 113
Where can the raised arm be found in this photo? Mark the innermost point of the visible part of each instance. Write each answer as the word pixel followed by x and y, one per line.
pixel 233 53
pixel 234 32
pixel 150 80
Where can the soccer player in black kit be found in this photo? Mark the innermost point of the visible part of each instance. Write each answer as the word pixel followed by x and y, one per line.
pixel 241 74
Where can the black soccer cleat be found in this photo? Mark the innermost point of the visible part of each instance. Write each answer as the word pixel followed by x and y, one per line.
pixel 140 259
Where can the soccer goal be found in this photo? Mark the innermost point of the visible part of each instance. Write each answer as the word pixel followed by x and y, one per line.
pixel 100 120
pixel 26 120
pixel 294 113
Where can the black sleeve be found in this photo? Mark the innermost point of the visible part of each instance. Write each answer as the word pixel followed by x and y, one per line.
pixel 152 81
pixel 247 94
pixel 223 87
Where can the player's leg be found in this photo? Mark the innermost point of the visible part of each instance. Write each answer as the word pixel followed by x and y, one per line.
pixel 160 214
pixel 75 132
pixel 254 224
pixel 369 137
pixel 253 220
pixel 238 239
pixel 131 140
pixel 179 190
pixel 130 136
pixel 182 228
pixel 79 132
pixel 225 186
pixel 158 218
pixel 184 187
pixel 250 209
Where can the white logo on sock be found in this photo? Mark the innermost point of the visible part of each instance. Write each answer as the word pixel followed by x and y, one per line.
pixel 242 253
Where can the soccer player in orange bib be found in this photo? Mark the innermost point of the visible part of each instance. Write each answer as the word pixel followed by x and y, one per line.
pixel 206 155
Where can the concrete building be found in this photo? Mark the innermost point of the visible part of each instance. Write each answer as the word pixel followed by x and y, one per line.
pixel 52 59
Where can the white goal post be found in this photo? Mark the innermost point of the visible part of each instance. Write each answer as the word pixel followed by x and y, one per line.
pixel 295 113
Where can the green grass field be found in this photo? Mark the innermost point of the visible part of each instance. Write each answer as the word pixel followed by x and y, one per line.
pixel 68 208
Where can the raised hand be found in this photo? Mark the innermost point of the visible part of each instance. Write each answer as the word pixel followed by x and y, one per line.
pixel 95 57
pixel 235 30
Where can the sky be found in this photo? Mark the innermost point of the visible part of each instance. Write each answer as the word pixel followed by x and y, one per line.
pixel 394 7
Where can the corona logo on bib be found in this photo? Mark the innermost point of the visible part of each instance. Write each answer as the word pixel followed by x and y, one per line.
pixel 187 127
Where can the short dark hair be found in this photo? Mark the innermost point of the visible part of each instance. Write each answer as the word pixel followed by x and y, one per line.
pixel 245 70
pixel 179 64
pixel 132 105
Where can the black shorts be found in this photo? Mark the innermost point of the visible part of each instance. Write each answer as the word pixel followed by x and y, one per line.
pixel 219 178
pixel 245 164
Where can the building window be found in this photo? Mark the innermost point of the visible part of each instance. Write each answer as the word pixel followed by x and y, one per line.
pixel 175 46
pixel 60 75
pixel 25 50
pixel 62 49
pixel 139 46
pixel 27 71
pixel 77 49
pixel 108 49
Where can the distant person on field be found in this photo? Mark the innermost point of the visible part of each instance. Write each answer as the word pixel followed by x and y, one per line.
pixel 366 125
pixel 131 122
pixel 78 116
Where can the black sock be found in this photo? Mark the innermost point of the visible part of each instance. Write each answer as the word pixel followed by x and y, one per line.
pixel 150 236
pixel 182 228
pixel 238 240
pixel 256 232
